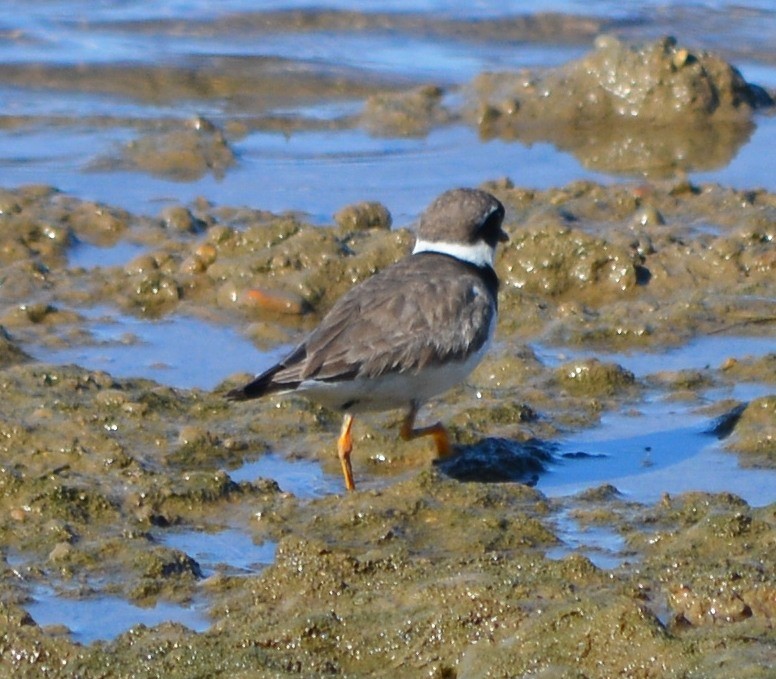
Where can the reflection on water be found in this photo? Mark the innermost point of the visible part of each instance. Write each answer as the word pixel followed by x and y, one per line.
pixel 602 545
pixel 105 617
pixel 176 350
pixel 303 478
pixel 231 550
pixel 709 351
pixel 666 448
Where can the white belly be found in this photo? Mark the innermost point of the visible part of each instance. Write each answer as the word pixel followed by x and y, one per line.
pixel 391 391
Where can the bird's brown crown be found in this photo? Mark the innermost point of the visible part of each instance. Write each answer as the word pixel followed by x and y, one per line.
pixel 463 216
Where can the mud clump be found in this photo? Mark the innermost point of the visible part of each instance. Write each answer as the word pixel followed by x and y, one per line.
pixel 655 82
pixel 180 219
pixel 754 433
pixel 562 630
pixel 405 114
pixel 27 237
pixel 556 260
pixel 594 378
pixel 633 282
pixel 184 154
pixel 365 215
pixel 650 108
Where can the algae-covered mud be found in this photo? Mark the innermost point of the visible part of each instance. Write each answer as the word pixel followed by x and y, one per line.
pixel 610 508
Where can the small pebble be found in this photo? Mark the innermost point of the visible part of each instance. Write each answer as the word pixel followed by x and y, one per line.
pixel 273 300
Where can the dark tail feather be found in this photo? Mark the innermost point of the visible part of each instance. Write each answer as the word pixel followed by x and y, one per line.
pixel 265 383
pixel 258 387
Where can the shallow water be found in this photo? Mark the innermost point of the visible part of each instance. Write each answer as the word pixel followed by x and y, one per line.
pixel 665 446
pixel 230 551
pixel 664 449
pixel 177 350
pixel 88 256
pixel 603 546
pixel 303 478
pixel 60 139
pixel 708 351
pixel 105 617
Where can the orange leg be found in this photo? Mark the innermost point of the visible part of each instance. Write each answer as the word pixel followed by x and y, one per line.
pixel 437 431
pixel 344 448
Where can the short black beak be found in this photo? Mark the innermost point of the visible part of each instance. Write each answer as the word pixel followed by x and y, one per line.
pixel 503 237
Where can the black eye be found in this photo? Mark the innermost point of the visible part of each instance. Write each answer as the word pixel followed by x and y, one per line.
pixel 490 231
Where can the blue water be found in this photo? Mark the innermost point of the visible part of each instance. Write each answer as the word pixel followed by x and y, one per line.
pixel 665 448
pixel 303 478
pixel 62 139
pixel 105 617
pixel 176 350
pixel 708 351
pixel 229 550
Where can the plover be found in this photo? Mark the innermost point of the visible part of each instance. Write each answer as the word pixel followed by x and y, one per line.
pixel 410 332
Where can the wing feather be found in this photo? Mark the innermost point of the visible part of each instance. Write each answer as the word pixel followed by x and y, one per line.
pixel 400 320
pixel 403 319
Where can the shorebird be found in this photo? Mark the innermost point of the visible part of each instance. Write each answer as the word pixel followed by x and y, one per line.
pixel 410 332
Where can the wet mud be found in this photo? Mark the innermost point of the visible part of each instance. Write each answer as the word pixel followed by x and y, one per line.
pixel 442 569
pixel 651 108
pixel 437 568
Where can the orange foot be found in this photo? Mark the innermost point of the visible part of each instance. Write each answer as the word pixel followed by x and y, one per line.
pixel 344 448
pixel 437 431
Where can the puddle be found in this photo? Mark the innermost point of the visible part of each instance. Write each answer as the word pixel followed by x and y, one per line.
pixel 101 617
pixel 303 478
pixel 600 544
pixel 665 449
pixel 88 256
pixel 697 354
pixel 231 551
pixel 179 351
pixel 623 445
pixel 105 617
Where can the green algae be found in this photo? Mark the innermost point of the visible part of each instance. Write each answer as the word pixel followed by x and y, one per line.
pixel 434 570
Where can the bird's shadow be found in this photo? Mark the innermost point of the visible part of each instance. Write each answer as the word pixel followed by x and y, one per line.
pixel 497 460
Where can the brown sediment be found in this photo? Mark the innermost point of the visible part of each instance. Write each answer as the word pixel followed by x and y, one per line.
pixel 532 27
pixel 655 108
pixel 183 154
pixel 441 569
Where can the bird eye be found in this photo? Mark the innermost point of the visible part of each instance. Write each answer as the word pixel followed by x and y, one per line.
pixel 490 231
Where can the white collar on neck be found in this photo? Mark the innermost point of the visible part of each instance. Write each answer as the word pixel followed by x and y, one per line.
pixel 478 254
